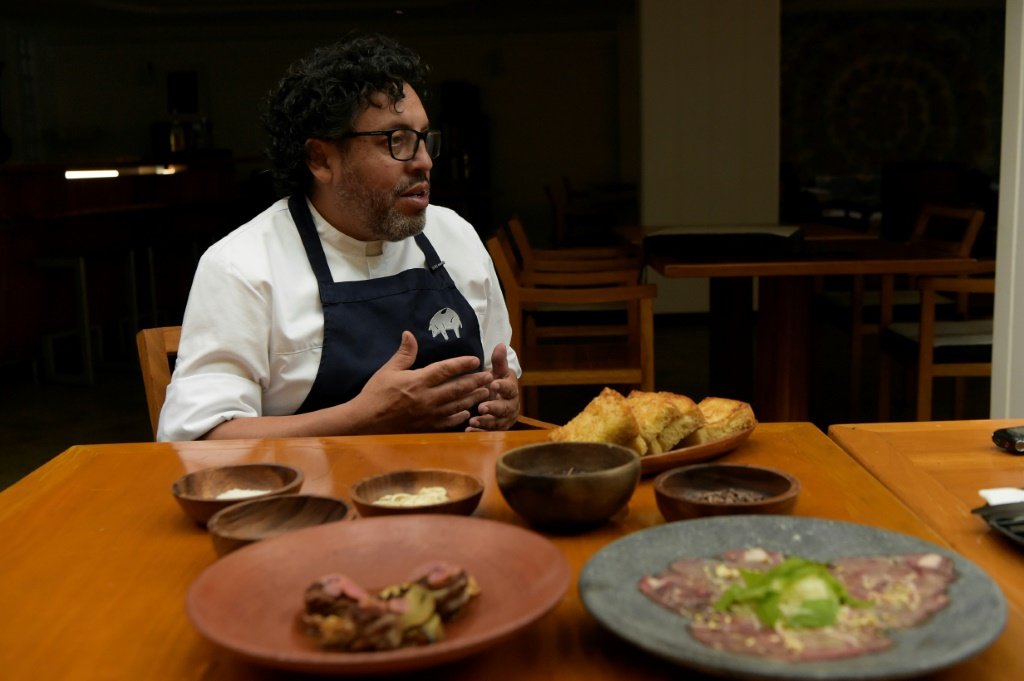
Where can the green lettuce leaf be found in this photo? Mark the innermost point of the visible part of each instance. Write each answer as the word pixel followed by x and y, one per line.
pixel 797 593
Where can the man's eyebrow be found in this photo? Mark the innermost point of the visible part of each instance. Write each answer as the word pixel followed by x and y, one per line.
pixel 394 122
pixel 402 125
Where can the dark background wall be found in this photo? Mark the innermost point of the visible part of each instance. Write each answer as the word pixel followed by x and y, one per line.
pixel 890 105
pixel 883 104
pixel 534 87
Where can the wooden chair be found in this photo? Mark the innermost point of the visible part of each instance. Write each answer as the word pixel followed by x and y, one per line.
pixel 940 228
pixel 958 348
pixel 573 351
pixel 589 217
pixel 543 267
pixel 570 259
pixel 536 319
pixel 157 347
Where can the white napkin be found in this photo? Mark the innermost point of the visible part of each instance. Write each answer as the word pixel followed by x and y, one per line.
pixel 1002 495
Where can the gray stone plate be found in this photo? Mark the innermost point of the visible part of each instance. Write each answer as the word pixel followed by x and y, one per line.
pixel 973 619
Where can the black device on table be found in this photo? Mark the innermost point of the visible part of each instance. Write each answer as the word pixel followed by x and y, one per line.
pixel 1010 439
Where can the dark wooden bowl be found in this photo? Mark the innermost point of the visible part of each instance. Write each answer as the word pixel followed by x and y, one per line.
pixel 250 521
pixel 199 493
pixel 723 489
pixel 568 485
pixel 464 492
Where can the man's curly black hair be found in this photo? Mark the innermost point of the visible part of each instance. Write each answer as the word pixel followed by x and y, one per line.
pixel 321 95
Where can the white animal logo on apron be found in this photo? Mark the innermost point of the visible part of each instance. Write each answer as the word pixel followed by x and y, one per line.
pixel 443 321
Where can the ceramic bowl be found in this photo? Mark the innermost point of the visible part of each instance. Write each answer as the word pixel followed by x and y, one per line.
pixel 567 485
pixel 204 492
pixel 463 492
pixel 723 489
pixel 250 521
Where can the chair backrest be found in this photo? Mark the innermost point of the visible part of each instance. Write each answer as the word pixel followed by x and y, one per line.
pixel 624 356
pixel 571 259
pixel 936 336
pixel 572 210
pixel 958 348
pixel 948 229
pixel 520 242
pixel 525 290
pixel 156 348
pixel 504 258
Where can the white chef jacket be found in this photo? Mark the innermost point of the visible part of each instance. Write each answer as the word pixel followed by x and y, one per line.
pixel 253 328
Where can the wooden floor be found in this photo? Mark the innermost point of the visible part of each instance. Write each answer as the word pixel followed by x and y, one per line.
pixel 38 420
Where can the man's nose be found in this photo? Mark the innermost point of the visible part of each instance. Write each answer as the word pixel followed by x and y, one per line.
pixel 421 161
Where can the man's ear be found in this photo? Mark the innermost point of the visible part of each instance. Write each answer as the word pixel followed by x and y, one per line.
pixel 319 154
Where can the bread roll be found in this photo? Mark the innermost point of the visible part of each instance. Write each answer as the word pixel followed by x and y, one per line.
pixel 664 418
pixel 607 418
pixel 722 418
pixel 692 414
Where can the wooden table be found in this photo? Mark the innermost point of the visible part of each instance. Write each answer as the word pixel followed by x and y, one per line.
pixel 936 468
pixel 97 556
pixel 783 345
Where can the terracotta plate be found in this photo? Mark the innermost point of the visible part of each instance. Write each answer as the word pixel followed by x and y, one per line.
pixel 249 601
pixel 974 618
pixel 655 463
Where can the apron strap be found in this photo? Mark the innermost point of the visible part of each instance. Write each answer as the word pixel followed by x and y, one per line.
pixel 434 263
pixel 315 250
pixel 310 239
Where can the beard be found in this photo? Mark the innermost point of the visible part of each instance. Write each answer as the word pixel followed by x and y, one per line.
pixel 377 209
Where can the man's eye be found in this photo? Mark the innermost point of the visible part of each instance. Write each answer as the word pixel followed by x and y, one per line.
pixel 402 139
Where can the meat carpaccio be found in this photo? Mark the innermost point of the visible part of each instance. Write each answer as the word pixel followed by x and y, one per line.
pixel 884 593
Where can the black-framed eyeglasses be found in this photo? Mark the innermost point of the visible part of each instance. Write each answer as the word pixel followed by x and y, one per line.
pixel 403 143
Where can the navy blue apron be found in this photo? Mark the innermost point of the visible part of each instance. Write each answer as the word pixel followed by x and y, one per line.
pixel 364 320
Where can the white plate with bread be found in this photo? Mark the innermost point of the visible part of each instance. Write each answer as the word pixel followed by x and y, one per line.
pixel 664 428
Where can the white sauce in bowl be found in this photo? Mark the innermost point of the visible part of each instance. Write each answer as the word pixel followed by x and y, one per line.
pixel 240 493
pixel 424 497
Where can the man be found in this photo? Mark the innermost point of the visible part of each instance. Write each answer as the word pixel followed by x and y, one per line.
pixel 353 306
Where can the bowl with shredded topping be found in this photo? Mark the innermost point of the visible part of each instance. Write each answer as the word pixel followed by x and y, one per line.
pixel 723 489
pixel 203 492
pixel 425 490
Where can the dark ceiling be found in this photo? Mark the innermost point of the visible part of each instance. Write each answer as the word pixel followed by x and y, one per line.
pixel 539 14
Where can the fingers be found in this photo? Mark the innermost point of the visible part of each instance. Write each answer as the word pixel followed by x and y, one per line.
pixel 441 395
pixel 461 404
pixel 453 369
pixel 505 387
pixel 499 360
pixel 482 425
pixel 501 410
pixel 405 356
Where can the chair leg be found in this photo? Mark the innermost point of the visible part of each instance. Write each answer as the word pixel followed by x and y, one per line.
pixel 856 341
pixel 154 310
pixel 83 329
pixel 924 396
pixel 530 401
pixel 856 367
pixel 959 397
pixel 884 385
pixel 646 341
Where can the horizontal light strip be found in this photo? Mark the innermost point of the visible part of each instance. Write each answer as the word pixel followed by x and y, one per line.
pixel 169 169
pixel 89 174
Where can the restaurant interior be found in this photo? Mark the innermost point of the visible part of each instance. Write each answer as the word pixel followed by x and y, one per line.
pixel 787 210
pixel 880 107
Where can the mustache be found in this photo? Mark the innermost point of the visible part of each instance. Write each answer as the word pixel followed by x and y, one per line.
pixel 412 182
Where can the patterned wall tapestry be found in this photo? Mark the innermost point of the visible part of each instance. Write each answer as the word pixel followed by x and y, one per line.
pixel 861 90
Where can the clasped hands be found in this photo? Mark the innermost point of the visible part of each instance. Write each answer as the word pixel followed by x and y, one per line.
pixel 440 396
